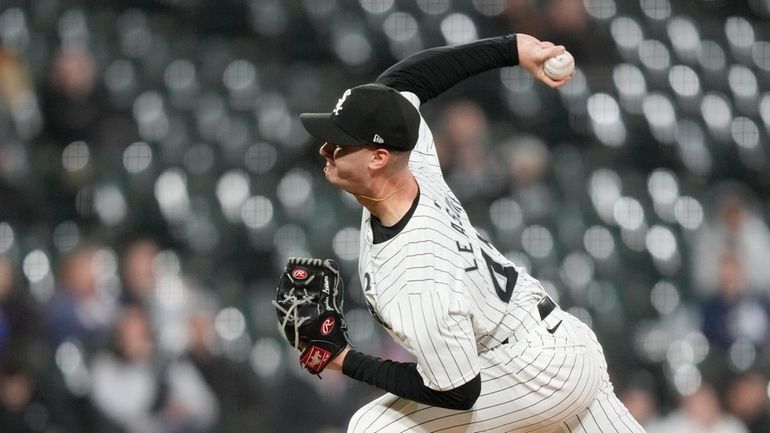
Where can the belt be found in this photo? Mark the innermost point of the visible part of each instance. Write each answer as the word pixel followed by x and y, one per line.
pixel 544 308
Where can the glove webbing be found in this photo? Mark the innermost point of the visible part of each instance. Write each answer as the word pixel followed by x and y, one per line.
pixel 292 313
pixel 305 261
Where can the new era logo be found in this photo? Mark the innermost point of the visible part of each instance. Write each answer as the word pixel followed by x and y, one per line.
pixel 378 139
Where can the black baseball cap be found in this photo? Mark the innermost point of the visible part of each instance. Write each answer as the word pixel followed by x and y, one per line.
pixel 369 114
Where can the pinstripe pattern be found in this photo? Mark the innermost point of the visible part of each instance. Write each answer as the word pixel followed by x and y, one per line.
pixel 444 294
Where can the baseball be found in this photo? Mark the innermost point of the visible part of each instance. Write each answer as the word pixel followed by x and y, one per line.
pixel 559 67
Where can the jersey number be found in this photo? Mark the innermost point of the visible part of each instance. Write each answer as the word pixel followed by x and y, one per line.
pixel 372 311
pixel 499 273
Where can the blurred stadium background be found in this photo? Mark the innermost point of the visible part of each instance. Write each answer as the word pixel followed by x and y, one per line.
pixel 154 177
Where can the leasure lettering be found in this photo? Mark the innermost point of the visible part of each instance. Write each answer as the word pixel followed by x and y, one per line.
pixel 469 250
pixel 454 210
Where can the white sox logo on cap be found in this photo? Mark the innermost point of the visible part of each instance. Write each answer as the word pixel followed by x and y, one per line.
pixel 338 107
pixel 369 114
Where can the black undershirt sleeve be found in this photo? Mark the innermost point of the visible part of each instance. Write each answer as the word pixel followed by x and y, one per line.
pixel 429 73
pixel 403 380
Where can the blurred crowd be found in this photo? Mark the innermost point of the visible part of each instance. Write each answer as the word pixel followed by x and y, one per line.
pixel 154 178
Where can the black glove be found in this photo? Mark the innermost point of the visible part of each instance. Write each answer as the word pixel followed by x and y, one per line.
pixel 309 306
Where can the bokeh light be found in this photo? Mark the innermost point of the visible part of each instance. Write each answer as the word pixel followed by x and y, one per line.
pixel 345 243
pixel 137 157
pixel 665 297
pixel 598 242
pixel 257 212
pixel 36 265
pixel 537 241
pixel 75 156
pixel 7 237
pixel 600 9
pixel 506 214
pixel 230 323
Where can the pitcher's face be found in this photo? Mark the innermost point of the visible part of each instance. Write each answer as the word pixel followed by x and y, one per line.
pixel 347 166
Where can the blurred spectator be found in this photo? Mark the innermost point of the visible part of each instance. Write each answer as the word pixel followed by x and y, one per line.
pixel 19 316
pixel 242 406
pixel 700 412
pixel 641 401
pixel 80 308
pixel 19 121
pixel 739 228
pixel 746 398
pixel 462 141
pixel 156 394
pixel 564 22
pixel 72 101
pixel 15 396
pixel 732 313
pixel 526 158
pixel 23 409
pixel 19 116
pixel 160 287
pixel 11 79
pixel 335 391
pixel 75 107
pixel 138 271
pixel 561 16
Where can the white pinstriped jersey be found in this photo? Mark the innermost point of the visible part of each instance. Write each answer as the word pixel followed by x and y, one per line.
pixel 451 299
pixel 442 291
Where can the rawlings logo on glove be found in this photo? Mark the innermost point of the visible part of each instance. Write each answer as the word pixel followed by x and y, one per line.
pixel 327 326
pixel 308 302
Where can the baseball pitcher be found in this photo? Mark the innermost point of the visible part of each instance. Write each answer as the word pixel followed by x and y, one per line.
pixel 493 352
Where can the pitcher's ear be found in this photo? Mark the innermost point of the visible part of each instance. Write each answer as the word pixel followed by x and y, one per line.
pixel 380 157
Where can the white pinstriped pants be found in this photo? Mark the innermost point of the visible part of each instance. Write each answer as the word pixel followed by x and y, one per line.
pixel 542 383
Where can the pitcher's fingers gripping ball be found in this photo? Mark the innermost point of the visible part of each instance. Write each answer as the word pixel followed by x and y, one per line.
pixel 308 301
